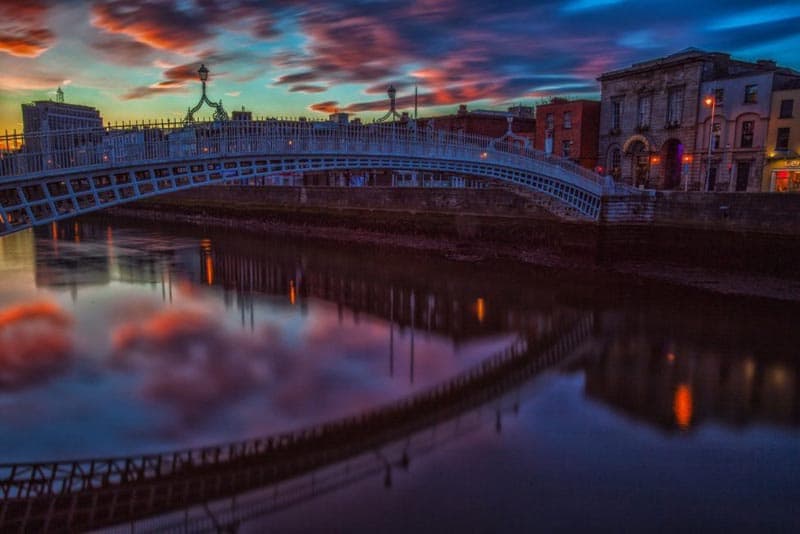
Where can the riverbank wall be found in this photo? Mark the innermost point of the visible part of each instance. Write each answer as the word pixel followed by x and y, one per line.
pixel 736 232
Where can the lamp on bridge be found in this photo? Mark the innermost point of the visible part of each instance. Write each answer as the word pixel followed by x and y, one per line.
pixel 219 112
pixel 392 114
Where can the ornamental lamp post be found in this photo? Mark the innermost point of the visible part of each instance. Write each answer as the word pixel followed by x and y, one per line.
pixel 219 112
pixel 710 101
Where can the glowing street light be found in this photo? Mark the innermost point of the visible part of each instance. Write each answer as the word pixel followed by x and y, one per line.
pixel 710 101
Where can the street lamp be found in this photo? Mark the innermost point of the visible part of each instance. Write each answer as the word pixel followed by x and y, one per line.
pixel 710 101
pixel 219 112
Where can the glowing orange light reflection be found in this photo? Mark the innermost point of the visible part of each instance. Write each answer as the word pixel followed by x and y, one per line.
pixel 205 244
pixel 683 406
pixel 292 292
pixel 480 309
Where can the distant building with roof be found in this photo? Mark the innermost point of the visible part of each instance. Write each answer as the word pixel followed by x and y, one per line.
pixel 569 128
pixel 45 116
pixel 655 130
pixel 488 123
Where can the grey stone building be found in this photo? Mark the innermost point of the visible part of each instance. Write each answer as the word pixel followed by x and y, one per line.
pixel 650 132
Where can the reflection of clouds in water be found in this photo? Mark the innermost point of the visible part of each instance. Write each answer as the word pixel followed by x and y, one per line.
pixel 35 342
pixel 188 359
pixel 195 366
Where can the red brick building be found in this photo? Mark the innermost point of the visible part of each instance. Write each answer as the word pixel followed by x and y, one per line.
pixel 569 128
pixel 488 123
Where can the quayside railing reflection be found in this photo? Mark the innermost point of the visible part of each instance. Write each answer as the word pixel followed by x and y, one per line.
pixel 391 462
pixel 96 492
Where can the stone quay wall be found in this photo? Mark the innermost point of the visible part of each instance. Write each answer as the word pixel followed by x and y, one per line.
pixel 754 232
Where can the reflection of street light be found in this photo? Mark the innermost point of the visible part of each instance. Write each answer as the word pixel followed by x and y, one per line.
pixel 710 101
pixel 687 160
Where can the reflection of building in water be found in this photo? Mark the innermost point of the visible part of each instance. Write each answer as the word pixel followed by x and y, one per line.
pixel 433 303
pixel 73 255
pixel 65 260
pixel 18 259
pixel 682 387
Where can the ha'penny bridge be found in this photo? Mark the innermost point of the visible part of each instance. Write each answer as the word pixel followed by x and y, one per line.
pixel 94 493
pixel 61 174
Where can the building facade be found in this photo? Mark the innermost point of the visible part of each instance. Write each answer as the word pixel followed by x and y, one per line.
pixel 569 128
pixel 45 116
pixel 737 136
pixel 652 118
pixel 42 118
pixel 782 169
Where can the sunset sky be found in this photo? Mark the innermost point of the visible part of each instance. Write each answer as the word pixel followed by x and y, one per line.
pixel 136 59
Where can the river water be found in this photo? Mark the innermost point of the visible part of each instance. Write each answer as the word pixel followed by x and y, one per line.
pixel 668 408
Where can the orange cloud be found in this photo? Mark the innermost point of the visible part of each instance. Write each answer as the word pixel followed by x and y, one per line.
pixel 329 106
pixel 157 24
pixel 32 311
pixel 27 43
pixel 160 328
pixel 22 30
pixel 35 342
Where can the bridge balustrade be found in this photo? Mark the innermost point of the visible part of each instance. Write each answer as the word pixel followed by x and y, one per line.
pixel 43 180
pixel 43 153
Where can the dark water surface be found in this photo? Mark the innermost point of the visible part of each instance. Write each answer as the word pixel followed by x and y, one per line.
pixel 671 409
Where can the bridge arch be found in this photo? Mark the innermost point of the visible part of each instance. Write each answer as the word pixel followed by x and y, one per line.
pixel 42 184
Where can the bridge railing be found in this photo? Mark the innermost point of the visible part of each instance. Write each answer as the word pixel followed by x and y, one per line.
pixel 31 155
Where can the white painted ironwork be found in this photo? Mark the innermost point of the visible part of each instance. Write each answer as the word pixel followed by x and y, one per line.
pixel 52 176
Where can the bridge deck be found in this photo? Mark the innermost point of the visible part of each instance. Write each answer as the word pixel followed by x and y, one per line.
pixel 64 173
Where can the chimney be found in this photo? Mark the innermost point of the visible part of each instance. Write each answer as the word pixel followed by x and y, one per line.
pixel 462 109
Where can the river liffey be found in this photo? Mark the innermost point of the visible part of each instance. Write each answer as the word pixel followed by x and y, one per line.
pixel 476 396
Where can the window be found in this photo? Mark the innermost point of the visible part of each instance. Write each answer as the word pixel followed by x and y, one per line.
pixel 716 135
pixel 786 109
pixel 566 148
pixel 549 121
pixel 616 113
pixel 719 96
pixel 615 163
pixel 567 120
pixel 747 135
pixel 643 111
pixel 782 142
pixel 742 175
pixel 751 94
pixel 674 106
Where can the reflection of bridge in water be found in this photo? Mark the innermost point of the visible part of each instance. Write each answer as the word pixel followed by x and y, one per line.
pixel 433 295
pixel 79 495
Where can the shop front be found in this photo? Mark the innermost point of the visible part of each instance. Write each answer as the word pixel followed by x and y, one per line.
pixel 784 175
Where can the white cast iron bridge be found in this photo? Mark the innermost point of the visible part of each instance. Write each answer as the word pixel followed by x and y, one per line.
pixel 60 174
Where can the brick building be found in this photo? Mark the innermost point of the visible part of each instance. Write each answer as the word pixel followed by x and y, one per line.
pixel 487 123
pixel 569 128
pixel 649 130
